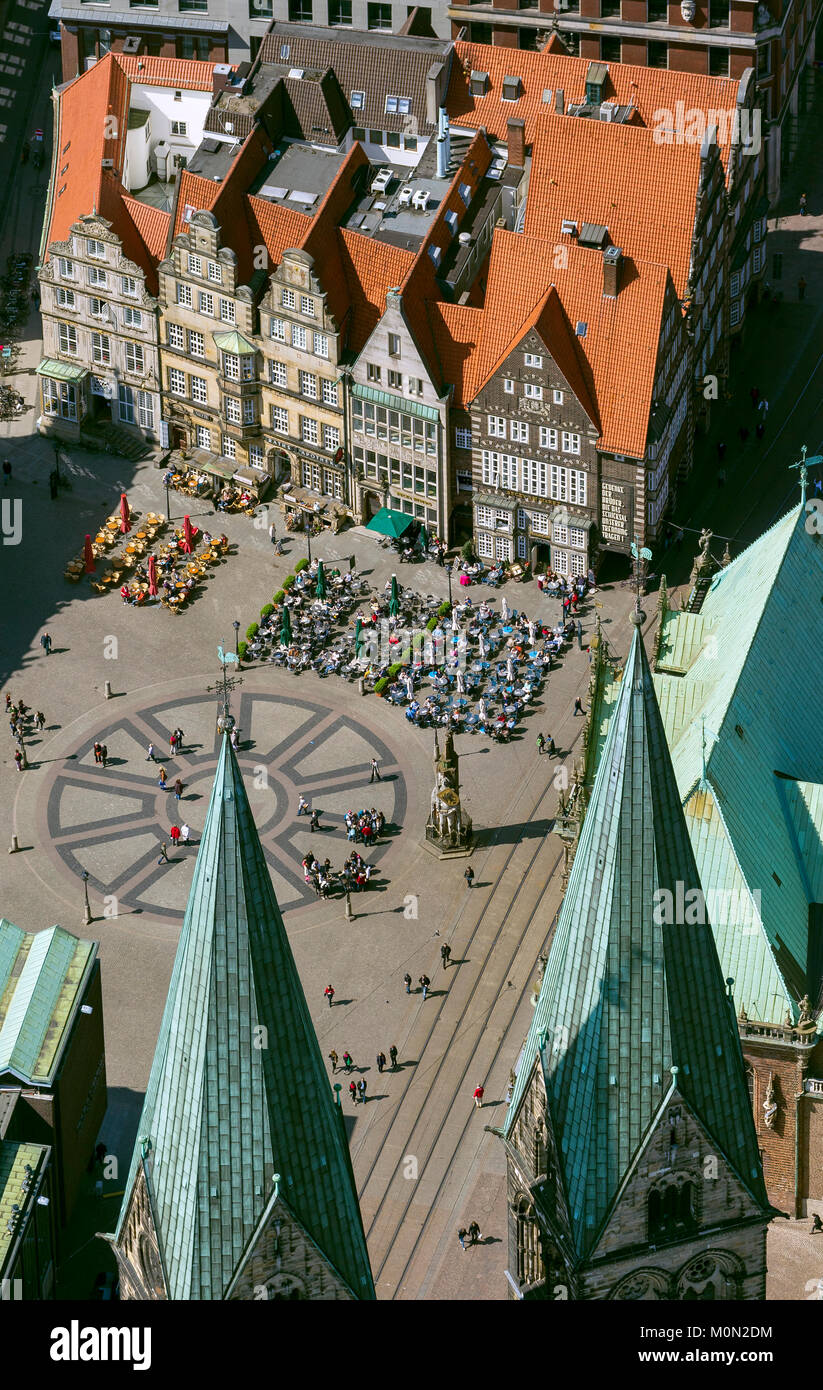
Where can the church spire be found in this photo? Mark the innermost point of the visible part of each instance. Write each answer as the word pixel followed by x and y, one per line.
pixel 241 1178
pixel 633 987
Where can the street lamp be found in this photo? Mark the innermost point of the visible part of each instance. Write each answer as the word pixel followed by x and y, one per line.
pixel 449 577
pixel 307 524
pixel 236 626
pixel 57 460
pixel 87 915
pixel 168 506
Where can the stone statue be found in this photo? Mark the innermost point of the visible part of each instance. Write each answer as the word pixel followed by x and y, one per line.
pixel 704 543
pixel 447 828
pixel 805 1022
pixel 770 1104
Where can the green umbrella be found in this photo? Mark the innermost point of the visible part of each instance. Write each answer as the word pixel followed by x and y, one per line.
pixel 320 581
pixel 394 601
pixel 357 639
pixel 285 628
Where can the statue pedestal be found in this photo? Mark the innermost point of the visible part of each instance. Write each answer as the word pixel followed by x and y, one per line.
pixel 442 849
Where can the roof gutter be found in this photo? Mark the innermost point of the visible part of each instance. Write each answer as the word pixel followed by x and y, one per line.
pixel 49 207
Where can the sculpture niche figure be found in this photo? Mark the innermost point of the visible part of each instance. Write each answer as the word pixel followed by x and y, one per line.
pixel 447 826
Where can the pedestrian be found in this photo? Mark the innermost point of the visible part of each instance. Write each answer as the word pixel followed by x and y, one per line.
pixel 801 288
pixel 329 994
pixel 347 1061
pixel 40 718
pixel 333 1059
pixel 104 754
pixel 179 733
pixel 164 858
pixel 469 876
pixel 6 472
pixel 272 533
pixel 540 743
pixel 150 754
pixel 353 1091
pixel 578 706
pixel 803 208
pixel 375 771
pixel 552 749
pixel 361 1088
pixel 424 983
pixel 381 1061
pixel 475 1233
pixel 761 430
pixel 178 789
pixel 45 643
pixel 743 433
pixel 721 472
pixel 407 981
pixel 185 832
pixel 579 635
pixel 478 1096
pixel 817 1224
pixel 97 753
pixel 764 407
pixel 161 781
pixel 393 1056
pixel 461 1236
pixel 314 820
pixel 8 703
pixel 445 955
pixel 18 758
pixel 172 743
pixel 175 834
pixel 302 806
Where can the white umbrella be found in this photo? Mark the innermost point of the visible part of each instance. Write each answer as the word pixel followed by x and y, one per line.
pixel 504 609
pixel 481 646
pixel 455 620
pixel 510 670
pixel 409 686
pixel 481 710
pixel 461 683
pixel 532 632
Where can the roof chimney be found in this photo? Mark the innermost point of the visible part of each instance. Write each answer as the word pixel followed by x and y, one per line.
pixel 435 91
pixel 612 268
pixel 516 134
pixel 560 101
pixel 220 78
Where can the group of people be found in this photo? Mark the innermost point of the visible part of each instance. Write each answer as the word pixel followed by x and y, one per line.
pixel 354 876
pixel 364 826
pixel 22 720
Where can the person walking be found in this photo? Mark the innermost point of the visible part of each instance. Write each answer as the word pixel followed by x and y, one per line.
pixel 445 955
pixel 97 752
pixel 381 1062
pixel 375 772
pixel 361 1090
pixel 172 742
pixel 161 781
pixel 164 858
pixel 272 533
pixel 333 1059
pixel 150 754
pixel 45 643
pixel 18 758
pixel 817 1224
pixel 578 707
pixel 353 1091
pixel 801 288
pixel 175 834
pixel 478 1096
pixel 552 749
pixel 579 635
pixel 104 755
pixel 721 449
pixel 424 983
pixel 179 733
pixel 6 472
pixel 461 1236
pixel 185 832
pixel 314 820
pixel 40 720
pixel 475 1234
pixel 469 876
pixel 803 208
pixel 393 1056
pixel 347 1062
pixel 407 981
pixel 540 743
pixel 329 994
pixel 302 806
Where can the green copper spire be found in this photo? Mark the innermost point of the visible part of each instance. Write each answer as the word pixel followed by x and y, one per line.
pixel 628 995
pixel 239 1123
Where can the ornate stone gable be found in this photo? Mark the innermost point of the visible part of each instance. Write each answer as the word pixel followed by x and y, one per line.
pixel 138 1249
pixel 282 1262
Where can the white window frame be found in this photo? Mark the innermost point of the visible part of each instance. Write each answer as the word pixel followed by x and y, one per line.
pixel 176 336
pixel 184 295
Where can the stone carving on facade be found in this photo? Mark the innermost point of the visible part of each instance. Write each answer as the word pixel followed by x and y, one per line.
pixel 688 9
pixel 805 1021
pixel 448 827
pixel 770 1104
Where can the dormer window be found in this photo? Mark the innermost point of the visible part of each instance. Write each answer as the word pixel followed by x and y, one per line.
pixel 479 84
pixel 511 89
pixel 358 100
pixel 398 106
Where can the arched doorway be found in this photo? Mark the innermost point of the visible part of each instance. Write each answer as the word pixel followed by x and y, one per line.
pixel 371 505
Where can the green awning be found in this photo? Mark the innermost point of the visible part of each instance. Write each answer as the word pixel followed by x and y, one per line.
pixel 63 371
pixel 234 342
pixel 388 523
pixel 370 393
pixel 220 468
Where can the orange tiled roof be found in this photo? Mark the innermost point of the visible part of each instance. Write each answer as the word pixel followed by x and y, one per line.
pixel 152 224
pixel 456 330
pixel 183 73
pixel 618 177
pixel 371 268
pixel 193 192
pixel 275 227
pixel 649 89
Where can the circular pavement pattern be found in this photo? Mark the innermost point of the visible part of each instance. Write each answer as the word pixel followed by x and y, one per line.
pixel 112 821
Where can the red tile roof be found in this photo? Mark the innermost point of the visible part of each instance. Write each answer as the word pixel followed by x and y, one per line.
pixel 617 177
pixel 275 227
pixel 183 73
pixel 648 89
pixel 371 268
pixel 152 224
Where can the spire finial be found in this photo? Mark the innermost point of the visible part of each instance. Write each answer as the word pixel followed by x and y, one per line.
pixel 223 689
pixel 804 464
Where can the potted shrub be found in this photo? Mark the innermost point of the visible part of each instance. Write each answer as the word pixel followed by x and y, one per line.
pixel 252 630
pixel 394 670
pixel 467 551
pixel 380 686
pixel 288 581
pixel 242 648
pixel 431 624
pixel 267 610
pixel 278 598
pixel 444 610
pixel 301 565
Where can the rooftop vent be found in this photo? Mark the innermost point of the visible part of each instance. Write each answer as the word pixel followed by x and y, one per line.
pixel 285 50
pixel 560 101
pixel 568 227
pixel 609 110
pixel 297 72
pixel 479 84
pixel 512 88
pixel 547 95
pixel 132 44
pixel 593 234
pixel 581 329
pixel 210 146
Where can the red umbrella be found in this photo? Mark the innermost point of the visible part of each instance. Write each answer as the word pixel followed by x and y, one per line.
pixel 152 576
pixel 125 523
pixel 189 533
pixel 89 556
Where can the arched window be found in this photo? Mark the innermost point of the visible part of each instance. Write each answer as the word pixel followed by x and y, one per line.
pixel 672 1211
pixel 716 1274
pixel 530 1266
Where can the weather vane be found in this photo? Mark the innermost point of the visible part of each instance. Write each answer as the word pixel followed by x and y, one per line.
pixel 224 687
pixel 804 464
pixel 641 556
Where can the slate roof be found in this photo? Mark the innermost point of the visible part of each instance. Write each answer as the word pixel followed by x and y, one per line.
pixel 754 671
pixel 624 997
pixel 222 1113
pixel 43 976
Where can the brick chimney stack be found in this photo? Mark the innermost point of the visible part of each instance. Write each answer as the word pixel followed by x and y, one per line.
pixel 612 269
pixel 516 130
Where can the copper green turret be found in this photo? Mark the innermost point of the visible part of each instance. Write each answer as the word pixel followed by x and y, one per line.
pixel 241 1185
